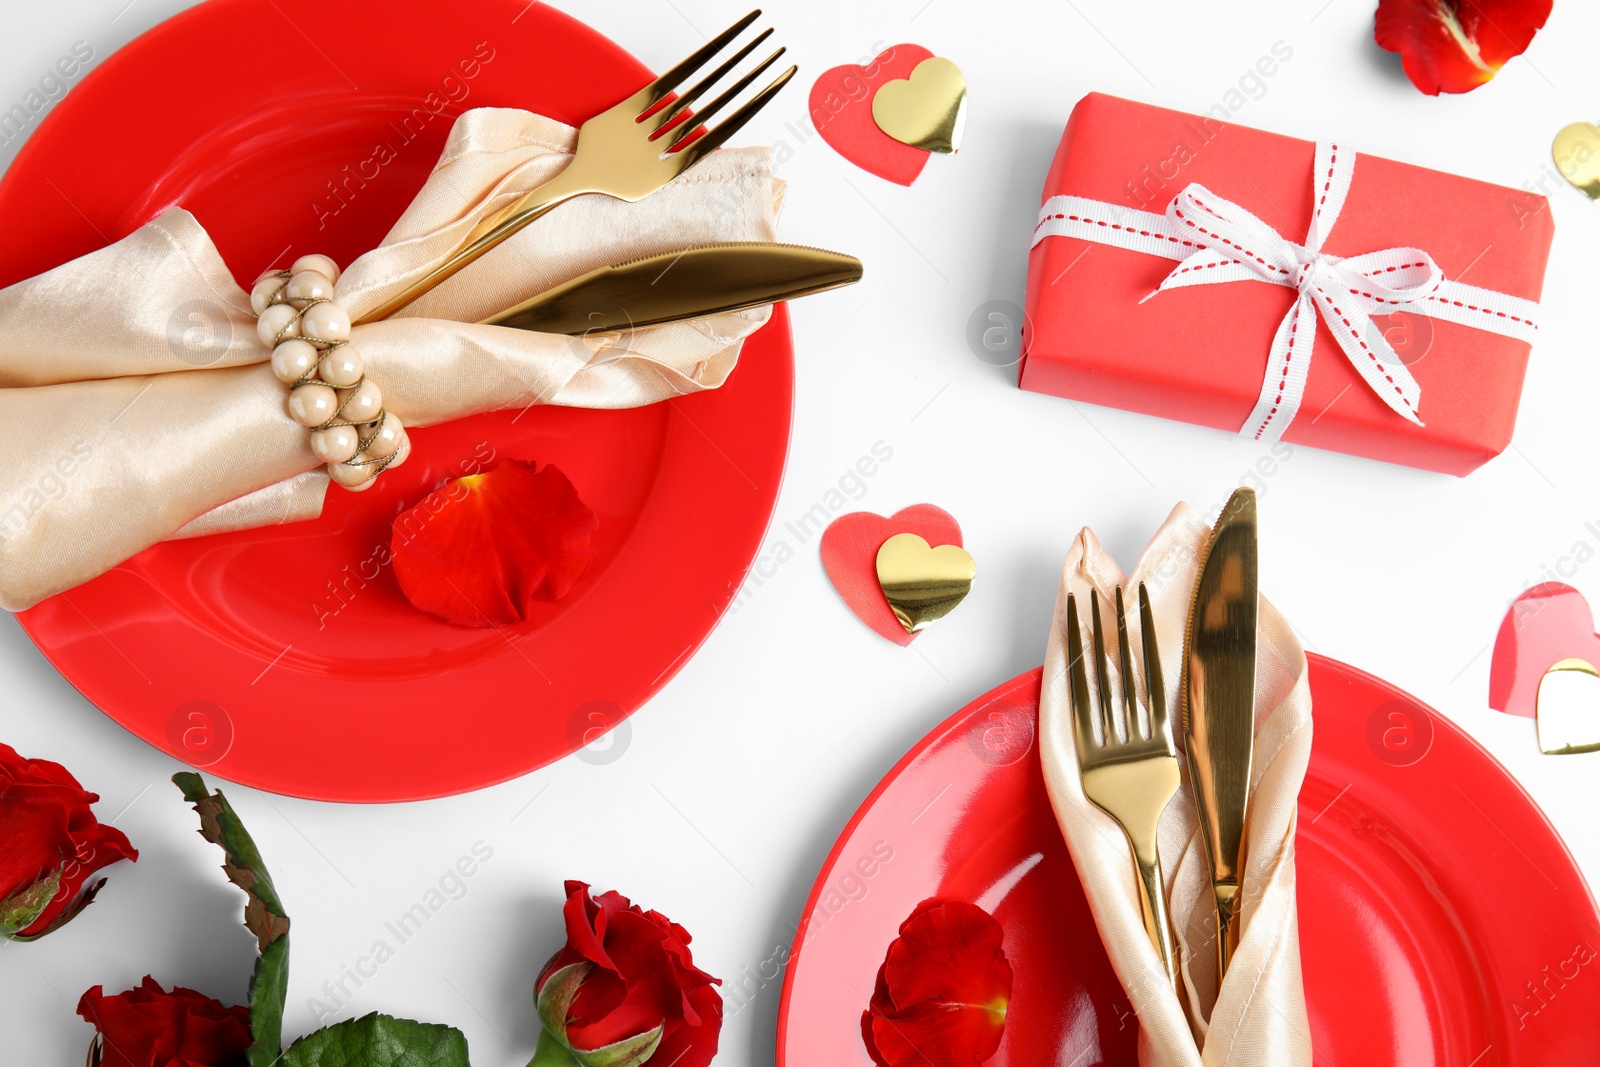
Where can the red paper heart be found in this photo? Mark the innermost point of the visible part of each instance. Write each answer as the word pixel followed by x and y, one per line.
pixel 850 556
pixel 841 110
pixel 1549 622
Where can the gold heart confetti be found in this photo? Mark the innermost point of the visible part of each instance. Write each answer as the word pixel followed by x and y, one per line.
pixel 926 110
pixel 1577 154
pixel 1569 708
pixel 923 584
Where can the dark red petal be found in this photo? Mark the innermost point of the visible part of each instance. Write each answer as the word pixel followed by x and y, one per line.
pixel 1454 46
pixel 33 842
pixel 942 992
pixel 693 1046
pixel 148 1026
pixel 481 549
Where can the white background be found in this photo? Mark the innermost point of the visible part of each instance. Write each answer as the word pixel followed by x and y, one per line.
pixel 740 773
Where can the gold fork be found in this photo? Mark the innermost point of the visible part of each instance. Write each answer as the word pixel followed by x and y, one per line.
pixel 1130 780
pixel 628 151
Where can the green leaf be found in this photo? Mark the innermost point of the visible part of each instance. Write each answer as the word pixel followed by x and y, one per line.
pixel 629 1052
pixel 18 912
pixel 84 898
pixel 379 1041
pixel 554 999
pixel 263 914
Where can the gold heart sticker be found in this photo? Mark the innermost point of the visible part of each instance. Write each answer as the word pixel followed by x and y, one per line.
pixel 926 110
pixel 1568 708
pixel 1577 154
pixel 923 584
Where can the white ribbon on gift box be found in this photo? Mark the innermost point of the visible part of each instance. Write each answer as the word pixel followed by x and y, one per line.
pixel 1215 241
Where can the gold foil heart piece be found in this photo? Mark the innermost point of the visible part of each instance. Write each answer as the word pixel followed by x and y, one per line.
pixel 1568 708
pixel 1577 155
pixel 923 584
pixel 927 110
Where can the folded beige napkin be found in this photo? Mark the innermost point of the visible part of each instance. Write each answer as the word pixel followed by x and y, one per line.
pixel 116 434
pixel 1258 1018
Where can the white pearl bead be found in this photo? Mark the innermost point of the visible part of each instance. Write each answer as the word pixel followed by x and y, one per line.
pixel 313 405
pixel 364 404
pixel 309 285
pixel 326 322
pixel 351 476
pixel 277 319
pixel 292 359
pixel 262 293
pixel 401 453
pixel 386 438
pixel 342 367
pixel 321 264
pixel 335 444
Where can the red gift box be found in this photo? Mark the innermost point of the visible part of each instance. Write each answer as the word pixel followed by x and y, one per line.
pixel 1199 354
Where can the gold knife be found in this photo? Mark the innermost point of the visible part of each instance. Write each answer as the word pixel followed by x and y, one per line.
pixel 1219 680
pixel 699 280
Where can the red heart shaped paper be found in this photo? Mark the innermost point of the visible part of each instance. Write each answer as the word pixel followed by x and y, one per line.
pixel 841 110
pixel 1548 623
pixel 850 556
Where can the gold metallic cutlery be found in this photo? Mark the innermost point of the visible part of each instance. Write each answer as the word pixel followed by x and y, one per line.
pixel 628 151
pixel 1219 674
pixel 1128 773
pixel 701 280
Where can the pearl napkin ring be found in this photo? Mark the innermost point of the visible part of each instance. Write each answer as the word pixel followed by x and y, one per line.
pixel 309 334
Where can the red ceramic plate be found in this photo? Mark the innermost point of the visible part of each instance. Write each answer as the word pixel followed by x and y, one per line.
pixel 1442 920
pixel 286 658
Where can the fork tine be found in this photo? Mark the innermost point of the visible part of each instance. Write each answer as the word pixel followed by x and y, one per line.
pixel 1153 682
pixel 692 152
pixel 1130 700
pixel 674 77
pixel 671 111
pixel 725 98
pixel 1078 680
pixel 1102 669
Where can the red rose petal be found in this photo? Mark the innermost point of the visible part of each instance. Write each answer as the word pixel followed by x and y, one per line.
pixel 942 992
pixel 479 550
pixel 1454 46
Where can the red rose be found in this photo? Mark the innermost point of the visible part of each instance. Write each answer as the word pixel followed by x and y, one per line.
pixel 942 992
pixel 149 1027
pixel 50 843
pixel 625 990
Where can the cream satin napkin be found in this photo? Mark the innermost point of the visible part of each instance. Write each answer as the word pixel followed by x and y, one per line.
pixel 1259 1016
pixel 118 431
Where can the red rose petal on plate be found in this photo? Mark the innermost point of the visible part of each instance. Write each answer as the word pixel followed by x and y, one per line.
pixel 1454 46
pixel 480 549
pixel 942 991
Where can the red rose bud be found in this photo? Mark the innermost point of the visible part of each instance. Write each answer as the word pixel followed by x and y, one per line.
pixel 149 1027
pixel 50 843
pixel 942 991
pixel 625 990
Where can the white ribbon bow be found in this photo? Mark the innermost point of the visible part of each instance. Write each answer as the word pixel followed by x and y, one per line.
pixel 1216 240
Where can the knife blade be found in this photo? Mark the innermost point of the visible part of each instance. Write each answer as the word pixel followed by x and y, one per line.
pixel 1219 677
pixel 699 280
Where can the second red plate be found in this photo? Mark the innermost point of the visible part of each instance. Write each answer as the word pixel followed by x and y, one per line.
pixel 1442 920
